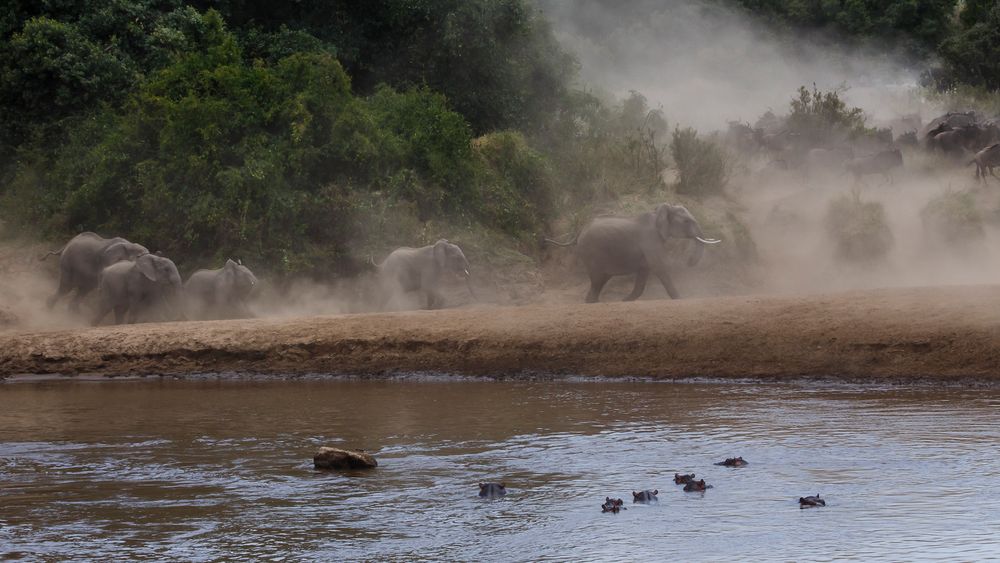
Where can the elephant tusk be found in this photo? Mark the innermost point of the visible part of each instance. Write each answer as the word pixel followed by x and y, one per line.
pixel 466 272
pixel 708 240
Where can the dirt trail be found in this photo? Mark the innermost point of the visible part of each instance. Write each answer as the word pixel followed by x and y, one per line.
pixel 942 333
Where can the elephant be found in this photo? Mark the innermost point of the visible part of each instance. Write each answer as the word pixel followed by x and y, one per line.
pixel 220 293
pixel 879 163
pixel 82 260
pixel 645 497
pixel 420 269
pixel 616 246
pixel 137 287
pixel 986 160
pixel 492 490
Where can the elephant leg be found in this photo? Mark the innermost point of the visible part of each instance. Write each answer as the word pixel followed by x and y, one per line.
pixel 120 313
pixel 668 284
pixel 434 300
pixel 640 285
pixel 597 282
pixel 81 292
pixel 102 310
pixel 65 286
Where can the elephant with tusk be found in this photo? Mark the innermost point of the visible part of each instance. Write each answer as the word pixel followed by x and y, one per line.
pixel 408 270
pixel 618 246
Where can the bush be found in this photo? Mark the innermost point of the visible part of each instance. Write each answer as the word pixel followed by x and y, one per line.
pixel 516 193
pixel 858 229
pixel 953 218
pixel 703 166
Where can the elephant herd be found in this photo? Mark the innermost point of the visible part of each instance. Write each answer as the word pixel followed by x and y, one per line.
pixel 136 284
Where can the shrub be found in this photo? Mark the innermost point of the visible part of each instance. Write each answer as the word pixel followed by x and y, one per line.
pixel 953 218
pixel 516 191
pixel 703 166
pixel 858 228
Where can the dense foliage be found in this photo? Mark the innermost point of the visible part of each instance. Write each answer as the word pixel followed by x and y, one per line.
pixel 963 34
pixel 306 138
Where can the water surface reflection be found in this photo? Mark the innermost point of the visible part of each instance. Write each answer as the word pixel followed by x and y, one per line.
pixel 212 469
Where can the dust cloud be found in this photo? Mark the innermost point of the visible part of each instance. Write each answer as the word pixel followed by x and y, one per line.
pixel 705 66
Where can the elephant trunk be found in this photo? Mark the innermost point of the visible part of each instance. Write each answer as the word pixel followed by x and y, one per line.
pixel 699 247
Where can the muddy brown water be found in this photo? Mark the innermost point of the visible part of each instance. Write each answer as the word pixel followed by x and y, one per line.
pixel 212 470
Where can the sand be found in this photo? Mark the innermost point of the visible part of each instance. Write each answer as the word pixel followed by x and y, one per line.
pixel 941 333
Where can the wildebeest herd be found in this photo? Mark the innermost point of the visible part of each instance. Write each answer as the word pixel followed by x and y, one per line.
pixel 965 137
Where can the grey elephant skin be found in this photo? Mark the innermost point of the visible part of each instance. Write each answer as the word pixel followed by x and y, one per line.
pixel 221 293
pixel 82 260
pixel 408 270
pixel 618 246
pixel 139 288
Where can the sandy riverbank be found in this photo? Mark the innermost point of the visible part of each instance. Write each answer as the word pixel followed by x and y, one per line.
pixel 942 333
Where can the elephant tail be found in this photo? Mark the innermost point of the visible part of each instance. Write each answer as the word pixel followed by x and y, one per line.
pixel 52 253
pixel 567 243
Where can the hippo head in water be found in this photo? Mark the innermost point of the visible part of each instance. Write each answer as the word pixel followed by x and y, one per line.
pixel 733 462
pixel 492 490
pixel 809 502
pixel 646 496
pixel 683 479
pixel 696 486
pixel 613 505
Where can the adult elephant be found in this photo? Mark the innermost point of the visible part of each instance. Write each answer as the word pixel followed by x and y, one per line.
pixel 618 246
pixel 408 270
pixel 138 287
pixel 221 293
pixel 82 260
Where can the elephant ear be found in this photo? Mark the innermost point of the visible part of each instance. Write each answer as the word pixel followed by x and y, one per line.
pixel 115 252
pixel 147 266
pixel 663 213
pixel 441 253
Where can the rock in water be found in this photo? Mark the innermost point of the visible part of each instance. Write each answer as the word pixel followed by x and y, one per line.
pixel 335 458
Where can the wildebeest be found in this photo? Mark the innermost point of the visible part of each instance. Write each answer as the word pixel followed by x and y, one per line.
pixel 986 160
pixel 820 160
pixel 881 162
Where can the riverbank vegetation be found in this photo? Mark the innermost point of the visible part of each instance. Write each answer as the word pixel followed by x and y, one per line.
pixel 306 141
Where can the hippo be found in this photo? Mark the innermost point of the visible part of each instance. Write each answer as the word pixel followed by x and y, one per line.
pixel 733 462
pixel 695 486
pixel 683 479
pixel 809 502
pixel 492 490
pixel 613 505
pixel 645 497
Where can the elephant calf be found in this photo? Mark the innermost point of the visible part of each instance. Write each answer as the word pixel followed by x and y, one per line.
pixel 408 270
pixel 221 293
pixel 617 246
pixel 138 287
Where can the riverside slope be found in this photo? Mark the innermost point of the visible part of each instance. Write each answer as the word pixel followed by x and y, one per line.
pixel 890 334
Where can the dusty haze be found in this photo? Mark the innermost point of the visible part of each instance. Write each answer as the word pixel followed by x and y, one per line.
pixel 704 66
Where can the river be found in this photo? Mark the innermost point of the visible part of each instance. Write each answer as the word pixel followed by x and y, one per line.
pixel 216 469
